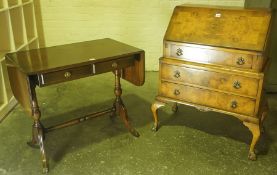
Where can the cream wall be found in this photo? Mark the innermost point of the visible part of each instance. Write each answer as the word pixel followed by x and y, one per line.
pixel 141 23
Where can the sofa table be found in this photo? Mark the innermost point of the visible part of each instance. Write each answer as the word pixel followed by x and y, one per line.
pixel 52 65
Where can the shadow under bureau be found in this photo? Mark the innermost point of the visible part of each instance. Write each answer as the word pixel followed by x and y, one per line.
pixel 214 60
pixel 46 66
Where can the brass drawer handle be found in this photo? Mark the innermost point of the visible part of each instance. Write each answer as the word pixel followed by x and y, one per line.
pixel 240 61
pixel 67 74
pixel 179 52
pixel 177 74
pixel 237 85
pixel 176 92
pixel 234 104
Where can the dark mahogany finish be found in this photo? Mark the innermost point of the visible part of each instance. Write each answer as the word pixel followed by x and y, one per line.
pixel 46 66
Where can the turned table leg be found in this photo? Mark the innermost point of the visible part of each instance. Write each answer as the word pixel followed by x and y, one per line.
pixel 255 129
pixel 155 106
pixel 119 106
pixel 37 131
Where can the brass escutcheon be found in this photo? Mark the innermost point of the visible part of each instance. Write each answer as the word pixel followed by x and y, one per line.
pixel 67 74
pixel 179 52
pixel 237 85
pixel 177 74
pixel 176 92
pixel 240 61
pixel 234 104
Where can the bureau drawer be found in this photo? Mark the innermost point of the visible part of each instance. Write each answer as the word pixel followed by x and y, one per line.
pixel 64 75
pixel 222 101
pixel 210 79
pixel 206 54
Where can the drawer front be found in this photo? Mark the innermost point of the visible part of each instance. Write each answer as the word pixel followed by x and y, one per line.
pixel 65 75
pixel 84 71
pixel 211 79
pixel 222 101
pixel 107 66
pixel 205 55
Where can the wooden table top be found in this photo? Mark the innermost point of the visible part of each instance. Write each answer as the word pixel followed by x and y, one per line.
pixel 62 56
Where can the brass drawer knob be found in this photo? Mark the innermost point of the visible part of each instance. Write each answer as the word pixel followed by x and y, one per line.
pixel 240 61
pixel 177 74
pixel 237 85
pixel 114 65
pixel 176 92
pixel 179 52
pixel 234 104
pixel 67 74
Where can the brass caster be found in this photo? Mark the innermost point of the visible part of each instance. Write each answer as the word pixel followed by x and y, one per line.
pixel 45 170
pixel 252 156
pixel 45 167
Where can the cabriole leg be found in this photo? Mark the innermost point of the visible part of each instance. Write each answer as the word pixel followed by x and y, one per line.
pixel 255 130
pixel 155 106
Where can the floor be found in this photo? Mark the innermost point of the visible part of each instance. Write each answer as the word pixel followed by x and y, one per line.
pixel 188 142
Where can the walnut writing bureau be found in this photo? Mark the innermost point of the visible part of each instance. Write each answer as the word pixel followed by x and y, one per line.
pixel 46 66
pixel 214 59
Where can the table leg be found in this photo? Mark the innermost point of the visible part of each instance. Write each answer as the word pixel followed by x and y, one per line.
pixel 37 131
pixel 119 106
pixel 155 106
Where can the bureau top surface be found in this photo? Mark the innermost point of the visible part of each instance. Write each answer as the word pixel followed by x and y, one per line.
pixel 63 56
pixel 229 27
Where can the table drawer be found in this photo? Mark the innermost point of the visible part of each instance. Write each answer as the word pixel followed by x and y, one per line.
pixel 64 75
pixel 222 101
pixel 111 65
pixel 210 79
pixel 224 57
pixel 84 71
